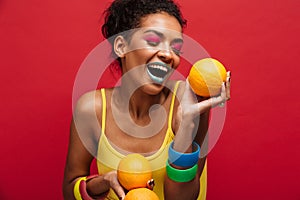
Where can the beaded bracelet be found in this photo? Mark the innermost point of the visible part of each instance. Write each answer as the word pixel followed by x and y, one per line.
pixel 184 159
pixel 79 189
pixel 181 175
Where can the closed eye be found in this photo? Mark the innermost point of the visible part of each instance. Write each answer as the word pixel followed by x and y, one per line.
pixel 152 40
pixel 176 47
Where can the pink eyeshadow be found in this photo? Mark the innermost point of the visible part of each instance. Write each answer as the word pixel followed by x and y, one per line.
pixel 177 46
pixel 152 38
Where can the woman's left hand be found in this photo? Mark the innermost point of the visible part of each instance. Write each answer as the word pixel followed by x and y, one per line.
pixel 192 107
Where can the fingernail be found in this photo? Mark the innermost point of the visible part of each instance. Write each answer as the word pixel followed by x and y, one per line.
pixel 227 78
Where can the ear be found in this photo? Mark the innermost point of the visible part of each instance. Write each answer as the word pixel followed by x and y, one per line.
pixel 120 46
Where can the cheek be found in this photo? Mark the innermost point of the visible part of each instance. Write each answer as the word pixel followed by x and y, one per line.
pixel 138 57
pixel 176 62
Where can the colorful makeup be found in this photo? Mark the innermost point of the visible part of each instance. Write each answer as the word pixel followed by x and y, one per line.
pixel 176 47
pixel 152 40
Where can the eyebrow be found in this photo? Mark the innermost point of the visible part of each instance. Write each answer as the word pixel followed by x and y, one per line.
pixel 162 35
pixel 156 32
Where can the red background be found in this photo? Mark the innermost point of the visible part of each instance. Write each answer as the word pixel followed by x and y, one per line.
pixel 43 43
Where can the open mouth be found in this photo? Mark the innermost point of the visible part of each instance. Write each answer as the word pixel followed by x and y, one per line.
pixel 158 71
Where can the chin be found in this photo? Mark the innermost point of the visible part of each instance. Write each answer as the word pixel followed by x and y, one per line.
pixel 153 88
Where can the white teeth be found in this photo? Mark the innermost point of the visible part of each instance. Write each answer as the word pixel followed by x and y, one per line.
pixel 159 67
pixel 157 72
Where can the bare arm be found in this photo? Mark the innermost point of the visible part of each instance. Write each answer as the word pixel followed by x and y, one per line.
pixel 189 131
pixel 78 162
pixel 82 149
pixel 189 190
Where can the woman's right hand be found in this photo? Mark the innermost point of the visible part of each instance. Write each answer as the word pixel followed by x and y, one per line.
pixel 99 186
pixel 112 180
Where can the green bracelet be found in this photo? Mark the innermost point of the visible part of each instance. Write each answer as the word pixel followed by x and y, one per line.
pixel 181 175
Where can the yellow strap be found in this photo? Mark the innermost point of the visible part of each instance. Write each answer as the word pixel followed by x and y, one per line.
pixel 172 104
pixel 103 110
pixel 170 114
pixel 76 190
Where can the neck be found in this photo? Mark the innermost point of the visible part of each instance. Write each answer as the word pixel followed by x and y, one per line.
pixel 138 102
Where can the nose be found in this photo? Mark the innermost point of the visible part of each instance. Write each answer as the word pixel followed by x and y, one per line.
pixel 165 55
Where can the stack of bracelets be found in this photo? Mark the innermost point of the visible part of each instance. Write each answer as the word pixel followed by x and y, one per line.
pixel 183 160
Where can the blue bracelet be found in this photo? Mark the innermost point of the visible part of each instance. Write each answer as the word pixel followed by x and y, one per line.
pixel 184 159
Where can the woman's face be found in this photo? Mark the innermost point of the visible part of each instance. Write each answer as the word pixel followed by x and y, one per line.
pixel 153 51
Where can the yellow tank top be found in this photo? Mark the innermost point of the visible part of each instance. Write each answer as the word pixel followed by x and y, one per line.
pixel 108 157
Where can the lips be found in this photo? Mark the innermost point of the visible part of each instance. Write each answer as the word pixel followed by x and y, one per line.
pixel 158 71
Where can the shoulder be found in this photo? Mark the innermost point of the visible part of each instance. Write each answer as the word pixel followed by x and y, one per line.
pixel 88 105
pixel 85 123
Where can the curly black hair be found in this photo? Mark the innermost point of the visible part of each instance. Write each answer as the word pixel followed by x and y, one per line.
pixel 124 15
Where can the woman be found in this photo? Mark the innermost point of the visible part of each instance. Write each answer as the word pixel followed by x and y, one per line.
pixel 146 38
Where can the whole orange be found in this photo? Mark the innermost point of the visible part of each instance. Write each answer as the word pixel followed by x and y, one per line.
pixel 134 171
pixel 141 194
pixel 206 77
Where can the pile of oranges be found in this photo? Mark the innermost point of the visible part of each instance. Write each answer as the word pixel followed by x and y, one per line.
pixel 134 173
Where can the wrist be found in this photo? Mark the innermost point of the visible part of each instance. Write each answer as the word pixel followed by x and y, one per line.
pixel 182 167
pixel 87 187
pixel 97 186
pixel 186 159
pixel 181 175
pixel 79 189
pixel 184 137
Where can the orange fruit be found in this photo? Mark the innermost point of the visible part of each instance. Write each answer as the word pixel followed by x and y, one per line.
pixel 134 171
pixel 141 194
pixel 206 77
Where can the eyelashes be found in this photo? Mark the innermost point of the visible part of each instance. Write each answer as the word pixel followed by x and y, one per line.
pixel 176 47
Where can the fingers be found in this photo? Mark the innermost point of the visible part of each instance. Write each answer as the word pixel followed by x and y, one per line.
pixel 119 191
pixel 188 88
pixel 227 85
pixel 115 185
pixel 204 105
pixel 221 99
pixel 225 93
